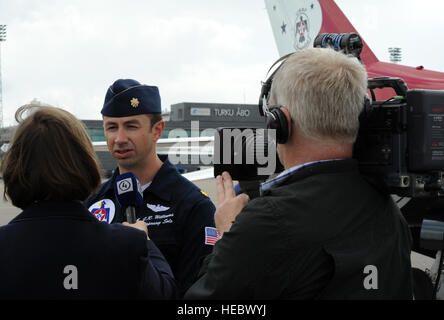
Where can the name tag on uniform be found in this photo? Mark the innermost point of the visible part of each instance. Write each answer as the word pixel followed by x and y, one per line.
pixel 160 216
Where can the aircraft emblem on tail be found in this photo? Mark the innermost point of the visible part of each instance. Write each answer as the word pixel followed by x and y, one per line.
pixel 302 36
pixel 296 23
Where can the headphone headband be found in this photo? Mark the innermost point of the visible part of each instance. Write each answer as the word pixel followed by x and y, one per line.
pixel 276 119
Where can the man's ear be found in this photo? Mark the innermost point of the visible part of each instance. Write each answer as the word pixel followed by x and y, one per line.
pixel 157 129
pixel 289 122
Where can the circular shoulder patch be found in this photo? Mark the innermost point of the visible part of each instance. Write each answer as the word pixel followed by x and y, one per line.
pixel 104 210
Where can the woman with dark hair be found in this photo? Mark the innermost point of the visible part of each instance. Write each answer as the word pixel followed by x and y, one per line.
pixel 55 248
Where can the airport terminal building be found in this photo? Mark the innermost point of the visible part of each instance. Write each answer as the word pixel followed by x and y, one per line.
pixel 204 116
pixel 186 119
pixel 200 117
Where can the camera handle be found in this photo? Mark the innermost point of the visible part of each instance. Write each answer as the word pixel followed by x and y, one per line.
pixel 396 84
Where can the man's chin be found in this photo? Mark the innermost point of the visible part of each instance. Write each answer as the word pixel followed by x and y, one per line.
pixel 126 163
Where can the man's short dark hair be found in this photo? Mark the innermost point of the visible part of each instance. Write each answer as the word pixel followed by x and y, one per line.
pixel 51 157
pixel 155 117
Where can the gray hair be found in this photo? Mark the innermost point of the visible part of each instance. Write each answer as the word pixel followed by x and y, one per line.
pixel 324 92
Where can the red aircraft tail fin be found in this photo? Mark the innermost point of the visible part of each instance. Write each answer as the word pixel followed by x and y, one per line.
pixel 335 21
pixel 296 23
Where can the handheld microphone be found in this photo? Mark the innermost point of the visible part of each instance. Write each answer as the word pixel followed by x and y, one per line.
pixel 128 194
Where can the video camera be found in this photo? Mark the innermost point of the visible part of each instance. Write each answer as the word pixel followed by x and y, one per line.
pixel 400 143
pixel 401 140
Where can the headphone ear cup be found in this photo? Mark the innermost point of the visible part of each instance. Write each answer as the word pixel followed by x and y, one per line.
pixel 280 124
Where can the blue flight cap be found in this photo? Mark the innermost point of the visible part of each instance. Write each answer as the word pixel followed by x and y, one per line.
pixel 127 97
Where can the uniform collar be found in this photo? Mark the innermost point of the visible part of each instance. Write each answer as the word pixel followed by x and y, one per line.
pixel 161 185
pixel 54 208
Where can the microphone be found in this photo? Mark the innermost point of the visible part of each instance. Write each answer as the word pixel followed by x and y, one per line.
pixel 128 194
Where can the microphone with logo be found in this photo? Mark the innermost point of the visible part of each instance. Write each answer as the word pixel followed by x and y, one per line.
pixel 128 194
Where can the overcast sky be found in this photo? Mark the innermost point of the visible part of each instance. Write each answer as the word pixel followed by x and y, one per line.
pixel 67 53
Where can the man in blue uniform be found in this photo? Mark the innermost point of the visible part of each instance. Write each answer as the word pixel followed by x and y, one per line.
pixel 179 216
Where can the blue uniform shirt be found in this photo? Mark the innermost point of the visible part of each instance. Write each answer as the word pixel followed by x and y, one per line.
pixel 177 214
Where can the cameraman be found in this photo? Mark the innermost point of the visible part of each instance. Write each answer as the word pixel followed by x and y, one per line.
pixel 319 230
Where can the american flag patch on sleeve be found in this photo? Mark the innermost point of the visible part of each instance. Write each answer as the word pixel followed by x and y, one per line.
pixel 211 236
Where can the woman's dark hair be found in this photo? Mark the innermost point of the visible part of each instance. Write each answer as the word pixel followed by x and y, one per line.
pixel 51 157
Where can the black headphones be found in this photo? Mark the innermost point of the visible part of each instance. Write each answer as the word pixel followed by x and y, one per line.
pixel 276 118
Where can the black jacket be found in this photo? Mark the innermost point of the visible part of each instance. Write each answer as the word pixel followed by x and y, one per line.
pixel 40 247
pixel 323 233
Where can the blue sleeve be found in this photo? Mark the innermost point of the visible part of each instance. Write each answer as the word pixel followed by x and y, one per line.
pixel 194 249
pixel 157 278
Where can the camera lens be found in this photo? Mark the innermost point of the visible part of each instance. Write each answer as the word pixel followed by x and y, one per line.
pixel 350 43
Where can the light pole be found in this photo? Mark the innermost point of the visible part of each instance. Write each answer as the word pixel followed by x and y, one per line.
pixel 2 38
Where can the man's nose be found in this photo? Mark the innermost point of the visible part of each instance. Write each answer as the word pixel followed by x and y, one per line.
pixel 121 136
